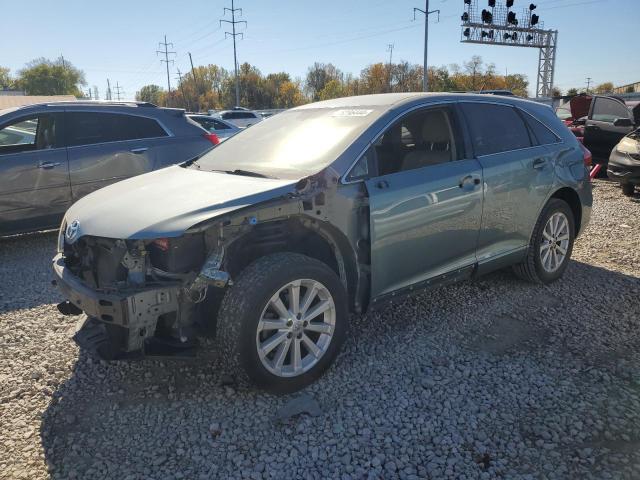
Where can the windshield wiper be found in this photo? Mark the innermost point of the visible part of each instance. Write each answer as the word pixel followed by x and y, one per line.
pixel 247 173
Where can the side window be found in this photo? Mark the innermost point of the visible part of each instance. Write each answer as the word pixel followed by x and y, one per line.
pixel 495 128
pixel 132 127
pixel 220 126
pixel 88 128
pixel 35 133
pixel 420 139
pixel 364 167
pixel 542 134
pixel 607 110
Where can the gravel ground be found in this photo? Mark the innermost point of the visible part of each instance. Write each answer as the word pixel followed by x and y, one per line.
pixel 493 378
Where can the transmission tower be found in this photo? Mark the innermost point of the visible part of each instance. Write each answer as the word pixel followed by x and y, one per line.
pixel 119 91
pixel 500 25
pixel 426 12
pixel 166 60
pixel 233 34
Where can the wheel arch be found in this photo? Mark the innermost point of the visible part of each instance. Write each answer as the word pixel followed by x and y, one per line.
pixel 298 234
pixel 571 197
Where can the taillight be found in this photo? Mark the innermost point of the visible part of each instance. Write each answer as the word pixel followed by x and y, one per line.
pixel 162 244
pixel 212 137
pixel 586 156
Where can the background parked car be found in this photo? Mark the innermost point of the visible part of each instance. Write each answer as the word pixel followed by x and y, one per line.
pixel 609 120
pixel 221 128
pixel 624 162
pixel 239 117
pixel 53 154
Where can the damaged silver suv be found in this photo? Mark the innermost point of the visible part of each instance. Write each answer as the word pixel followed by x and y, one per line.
pixel 271 239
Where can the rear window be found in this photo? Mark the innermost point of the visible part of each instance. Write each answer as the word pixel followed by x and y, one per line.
pixel 495 128
pixel 541 134
pixel 87 128
pixel 237 115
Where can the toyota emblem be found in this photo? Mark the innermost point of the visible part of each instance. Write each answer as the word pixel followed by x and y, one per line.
pixel 72 230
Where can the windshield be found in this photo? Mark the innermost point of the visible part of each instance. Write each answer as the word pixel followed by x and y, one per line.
pixel 293 144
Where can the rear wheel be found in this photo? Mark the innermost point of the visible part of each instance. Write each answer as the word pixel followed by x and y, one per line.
pixel 283 321
pixel 628 189
pixel 551 244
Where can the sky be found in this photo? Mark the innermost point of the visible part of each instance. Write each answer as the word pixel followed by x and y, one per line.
pixel 117 40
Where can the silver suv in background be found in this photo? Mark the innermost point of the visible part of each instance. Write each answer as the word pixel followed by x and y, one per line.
pixel 239 117
pixel 53 154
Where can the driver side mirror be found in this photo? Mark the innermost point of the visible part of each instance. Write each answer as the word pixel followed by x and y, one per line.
pixel 622 122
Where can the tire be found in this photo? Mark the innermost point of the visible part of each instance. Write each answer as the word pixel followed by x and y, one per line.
pixel 628 189
pixel 249 305
pixel 532 268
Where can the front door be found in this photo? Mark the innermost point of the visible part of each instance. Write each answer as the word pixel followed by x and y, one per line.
pixel 425 201
pixel 34 173
pixel 600 134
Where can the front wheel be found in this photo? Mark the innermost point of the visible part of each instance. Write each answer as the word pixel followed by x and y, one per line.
pixel 628 189
pixel 283 321
pixel 551 244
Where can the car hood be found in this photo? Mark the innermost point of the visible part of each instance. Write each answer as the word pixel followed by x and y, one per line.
pixel 167 202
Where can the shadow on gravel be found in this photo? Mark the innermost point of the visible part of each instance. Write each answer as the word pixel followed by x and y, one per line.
pixel 147 412
pixel 25 270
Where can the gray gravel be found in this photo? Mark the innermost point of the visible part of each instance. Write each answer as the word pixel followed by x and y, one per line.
pixel 493 378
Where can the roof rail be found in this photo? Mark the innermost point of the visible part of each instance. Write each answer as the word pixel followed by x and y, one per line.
pixel 103 102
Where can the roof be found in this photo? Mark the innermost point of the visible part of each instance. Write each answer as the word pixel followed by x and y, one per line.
pixel 12 101
pixel 387 100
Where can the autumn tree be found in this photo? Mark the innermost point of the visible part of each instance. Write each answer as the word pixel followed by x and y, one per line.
pixel 318 75
pixel 5 78
pixel 150 93
pixel 606 87
pixel 45 77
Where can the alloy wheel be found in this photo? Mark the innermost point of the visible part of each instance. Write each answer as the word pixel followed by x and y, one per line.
pixel 296 328
pixel 555 242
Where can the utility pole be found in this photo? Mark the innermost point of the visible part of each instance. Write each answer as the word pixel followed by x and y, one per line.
pixel 390 50
pixel 195 83
pixel 588 84
pixel 426 12
pixel 166 58
pixel 118 92
pixel 184 97
pixel 108 96
pixel 233 34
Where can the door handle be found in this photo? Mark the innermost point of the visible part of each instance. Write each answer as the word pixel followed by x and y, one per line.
pixel 382 184
pixel 469 179
pixel 539 163
pixel 48 165
pixel 139 150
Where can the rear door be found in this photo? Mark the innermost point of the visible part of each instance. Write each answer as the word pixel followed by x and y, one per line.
pixel 425 201
pixel 105 147
pixel 518 175
pixel 34 173
pixel 600 135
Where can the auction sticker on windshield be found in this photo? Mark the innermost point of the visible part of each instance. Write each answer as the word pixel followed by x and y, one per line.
pixel 351 113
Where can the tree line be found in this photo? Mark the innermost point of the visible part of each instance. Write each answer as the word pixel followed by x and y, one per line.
pixel 213 87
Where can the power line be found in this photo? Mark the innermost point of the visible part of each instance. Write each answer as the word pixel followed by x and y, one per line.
pixel 233 34
pixel 166 58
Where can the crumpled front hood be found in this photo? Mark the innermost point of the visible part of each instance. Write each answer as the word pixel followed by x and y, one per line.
pixel 167 202
pixel 579 106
